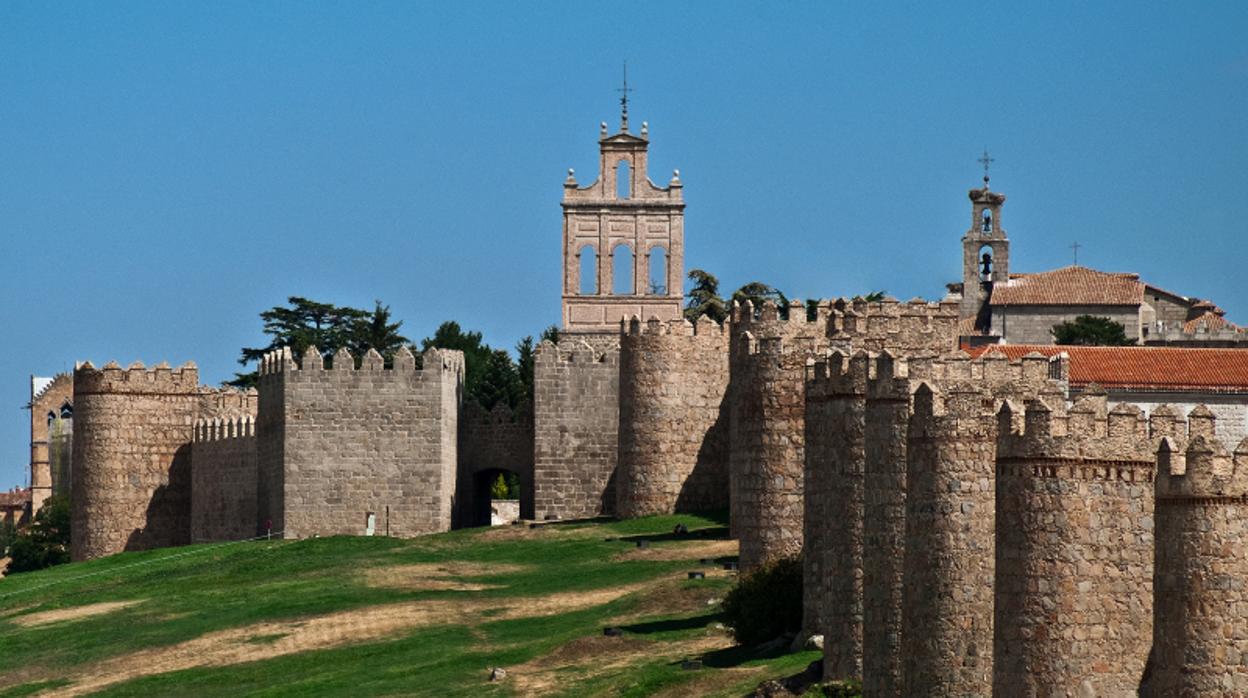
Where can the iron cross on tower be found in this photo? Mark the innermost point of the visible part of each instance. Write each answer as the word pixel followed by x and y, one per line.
pixel 1076 247
pixel 624 100
pixel 986 160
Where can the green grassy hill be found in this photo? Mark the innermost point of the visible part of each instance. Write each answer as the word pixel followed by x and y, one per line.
pixel 379 616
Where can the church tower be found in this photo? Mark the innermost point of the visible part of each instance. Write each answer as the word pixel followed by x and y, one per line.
pixel 985 253
pixel 623 238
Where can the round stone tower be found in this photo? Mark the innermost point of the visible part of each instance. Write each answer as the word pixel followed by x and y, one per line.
pixel 673 420
pixel 768 359
pixel 131 457
pixel 1073 550
pixel 1200 628
pixel 948 569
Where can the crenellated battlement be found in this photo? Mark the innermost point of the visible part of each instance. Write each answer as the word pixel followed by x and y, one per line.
pixel 282 361
pixel 633 326
pixel 136 378
pixel 838 375
pixel 1089 435
pixel 224 428
pixel 914 326
pixel 1192 462
pixel 576 352
pixel 227 402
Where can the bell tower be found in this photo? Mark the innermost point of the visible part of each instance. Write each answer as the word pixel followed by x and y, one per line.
pixel 623 238
pixel 985 252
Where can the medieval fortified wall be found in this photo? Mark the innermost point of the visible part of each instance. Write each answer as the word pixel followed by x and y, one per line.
pixel 964 529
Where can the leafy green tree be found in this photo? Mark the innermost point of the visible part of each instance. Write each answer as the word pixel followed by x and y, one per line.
pixel 1089 330
pixel 550 334
pixel 703 298
pixel 498 490
pixel 490 375
pixel 505 486
pixel 375 331
pixel 303 324
pixel 46 541
pixel 759 293
pixel 524 367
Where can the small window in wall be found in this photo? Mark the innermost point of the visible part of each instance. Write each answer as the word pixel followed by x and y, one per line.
pixel 658 271
pixel 623 180
pixel 67 411
pixel 51 417
pixel 622 270
pixel 588 267
pixel 987 221
pixel 370 523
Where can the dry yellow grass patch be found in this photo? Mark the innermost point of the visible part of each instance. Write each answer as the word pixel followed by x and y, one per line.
pixel 235 645
pixel 66 614
pixel 589 657
pixel 683 550
pixel 428 576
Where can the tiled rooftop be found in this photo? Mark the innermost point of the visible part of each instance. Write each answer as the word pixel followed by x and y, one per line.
pixel 1072 285
pixel 1145 368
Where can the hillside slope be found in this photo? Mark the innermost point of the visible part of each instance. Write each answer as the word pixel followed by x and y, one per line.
pixel 379 616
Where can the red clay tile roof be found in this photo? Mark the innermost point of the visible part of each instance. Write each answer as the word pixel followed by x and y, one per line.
pixel 1069 286
pixel 1210 322
pixel 14 498
pixel 1145 368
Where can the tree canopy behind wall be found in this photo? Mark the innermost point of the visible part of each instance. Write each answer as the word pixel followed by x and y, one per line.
pixel 1090 330
pixel 304 323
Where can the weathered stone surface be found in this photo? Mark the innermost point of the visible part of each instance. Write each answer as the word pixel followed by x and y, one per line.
pixel 1074 551
pixel 347 449
pixel 490 443
pixel 223 480
pixel 1200 630
pixel 673 448
pixel 576 425
pixel 131 458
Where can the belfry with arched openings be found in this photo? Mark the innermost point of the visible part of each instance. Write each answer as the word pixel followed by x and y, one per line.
pixel 625 231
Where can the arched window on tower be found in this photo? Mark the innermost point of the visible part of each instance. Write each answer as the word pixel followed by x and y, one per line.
pixel 587 266
pixel 622 270
pixel 658 271
pixel 623 180
pixel 987 221
pixel 985 263
pixel 51 417
pixel 67 411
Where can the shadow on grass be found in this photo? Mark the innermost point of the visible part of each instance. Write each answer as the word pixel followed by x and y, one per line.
pixel 739 654
pixel 709 533
pixel 674 624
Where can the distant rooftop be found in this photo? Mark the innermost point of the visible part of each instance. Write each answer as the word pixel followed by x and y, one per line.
pixel 1073 285
pixel 1144 368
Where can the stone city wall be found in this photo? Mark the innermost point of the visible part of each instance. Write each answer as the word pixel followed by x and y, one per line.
pixel 131 457
pixel 576 426
pixel 489 442
pixel 673 437
pixel 223 479
pixel 1200 627
pixel 361 450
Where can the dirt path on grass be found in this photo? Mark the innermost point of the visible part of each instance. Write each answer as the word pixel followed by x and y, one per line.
pixel 274 639
pixel 590 657
pixel 684 550
pixel 429 576
pixel 58 615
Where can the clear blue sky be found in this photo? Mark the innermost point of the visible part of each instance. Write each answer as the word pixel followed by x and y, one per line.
pixel 169 170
